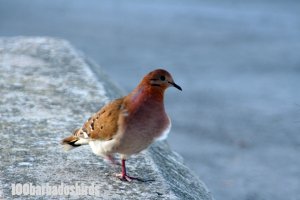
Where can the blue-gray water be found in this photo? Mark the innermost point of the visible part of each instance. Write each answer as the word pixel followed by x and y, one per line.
pixel 237 121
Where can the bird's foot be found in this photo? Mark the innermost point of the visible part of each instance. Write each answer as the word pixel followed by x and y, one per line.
pixel 125 177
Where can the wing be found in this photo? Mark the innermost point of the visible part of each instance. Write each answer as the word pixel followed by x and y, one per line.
pixel 104 124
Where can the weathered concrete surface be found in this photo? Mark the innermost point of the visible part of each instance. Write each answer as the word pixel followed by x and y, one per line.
pixel 47 90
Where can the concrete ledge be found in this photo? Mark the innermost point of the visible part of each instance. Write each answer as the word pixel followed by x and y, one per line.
pixel 47 89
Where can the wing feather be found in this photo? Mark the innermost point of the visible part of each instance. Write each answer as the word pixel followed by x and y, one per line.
pixel 103 125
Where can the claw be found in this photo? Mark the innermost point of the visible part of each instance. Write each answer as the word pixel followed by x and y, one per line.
pixel 124 177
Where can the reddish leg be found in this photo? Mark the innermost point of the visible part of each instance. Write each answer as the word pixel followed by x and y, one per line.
pixel 112 160
pixel 123 176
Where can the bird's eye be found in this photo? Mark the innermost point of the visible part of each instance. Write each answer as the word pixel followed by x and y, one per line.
pixel 162 78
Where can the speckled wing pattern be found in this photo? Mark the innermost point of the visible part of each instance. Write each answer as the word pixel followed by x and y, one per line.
pixel 103 125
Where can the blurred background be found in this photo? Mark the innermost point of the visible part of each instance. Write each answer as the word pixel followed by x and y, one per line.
pixel 237 121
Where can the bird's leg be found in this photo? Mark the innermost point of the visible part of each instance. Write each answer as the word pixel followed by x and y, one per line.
pixel 112 160
pixel 123 176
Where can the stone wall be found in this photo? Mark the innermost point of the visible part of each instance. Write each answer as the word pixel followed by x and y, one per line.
pixel 48 89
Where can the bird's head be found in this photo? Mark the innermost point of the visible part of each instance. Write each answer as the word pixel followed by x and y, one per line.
pixel 160 78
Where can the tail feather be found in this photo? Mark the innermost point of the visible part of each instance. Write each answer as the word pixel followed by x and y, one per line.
pixel 74 140
pixel 70 142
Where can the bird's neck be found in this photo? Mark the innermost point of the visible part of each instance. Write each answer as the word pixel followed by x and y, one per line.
pixel 147 94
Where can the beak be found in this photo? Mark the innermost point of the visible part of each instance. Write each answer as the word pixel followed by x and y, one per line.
pixel 175 85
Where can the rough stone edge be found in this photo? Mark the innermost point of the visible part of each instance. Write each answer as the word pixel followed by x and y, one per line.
pixel 171 166
pixel 111 88
pixel 158 152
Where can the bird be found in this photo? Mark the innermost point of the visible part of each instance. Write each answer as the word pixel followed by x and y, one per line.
pixel 128 125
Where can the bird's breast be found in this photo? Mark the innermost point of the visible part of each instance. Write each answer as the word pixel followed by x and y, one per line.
pixel 142 127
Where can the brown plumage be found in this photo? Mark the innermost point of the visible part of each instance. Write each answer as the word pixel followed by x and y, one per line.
pixel 130 124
